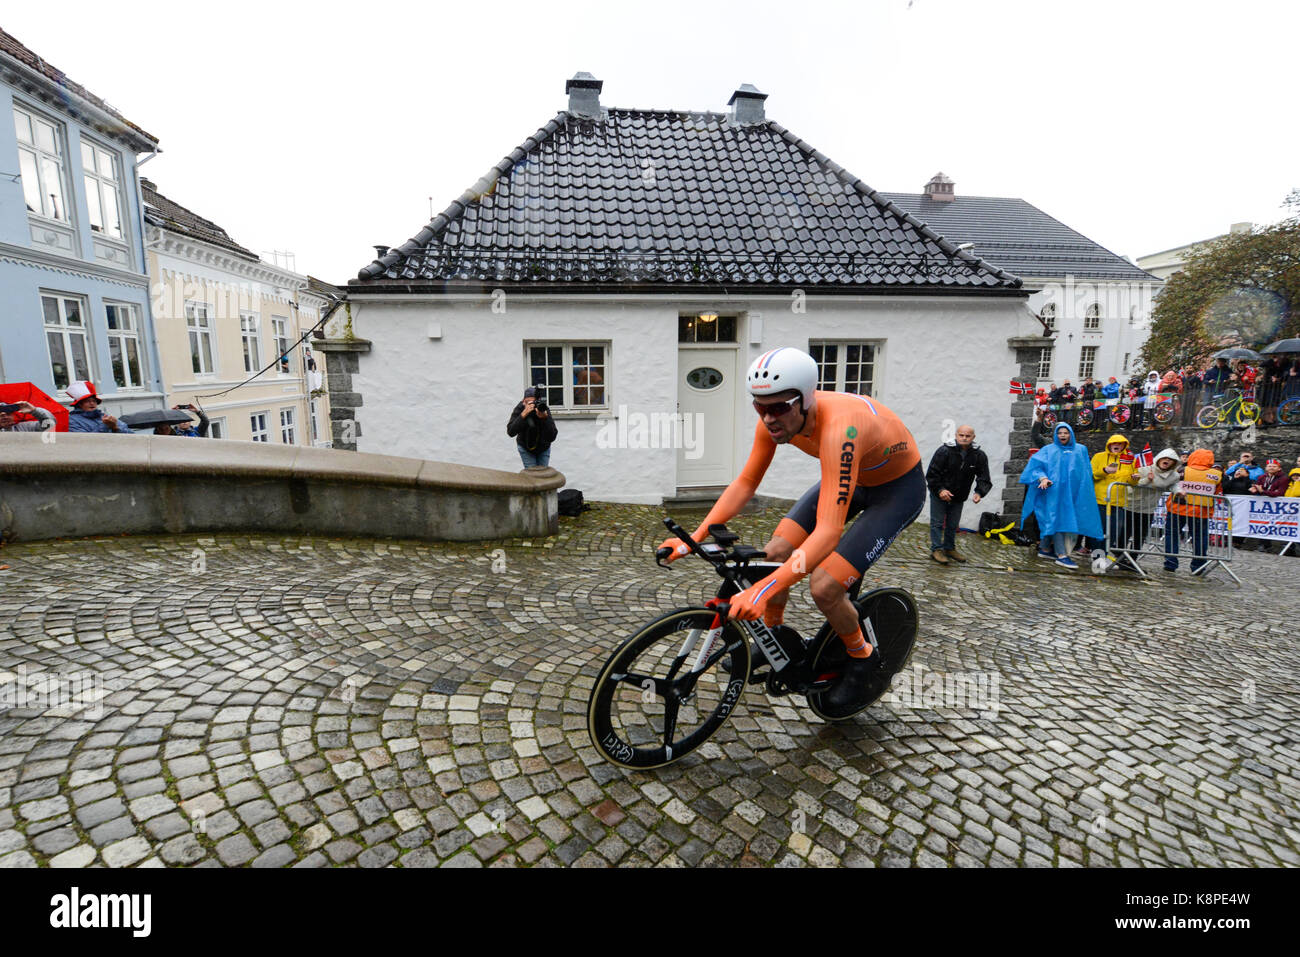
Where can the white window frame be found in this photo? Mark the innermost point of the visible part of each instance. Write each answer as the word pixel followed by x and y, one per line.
pixel 283 345
pixel 288 426
pixel 1048 313
pixel 259 430
pixel 1092 318
pixel 217 428
pixel 839 381
pixel 197 332
pixel 567 387
pixel 1045 356
pixel 1087 361
pixel 66 332
pixel 39 158
pixel 97 184
pixel 123 336
pixel 253 335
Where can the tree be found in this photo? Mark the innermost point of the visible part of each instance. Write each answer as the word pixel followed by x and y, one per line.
pixel 1240 289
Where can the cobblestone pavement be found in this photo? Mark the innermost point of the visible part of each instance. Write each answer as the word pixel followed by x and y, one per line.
pixel 307 701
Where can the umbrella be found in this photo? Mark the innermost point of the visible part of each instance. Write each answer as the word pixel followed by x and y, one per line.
pixel 1282 345
pixel 152 417
pixel 1236 352
pixel 27 392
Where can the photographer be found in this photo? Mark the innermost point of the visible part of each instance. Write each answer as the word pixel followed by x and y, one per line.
pixel 532 428
pixel 187 430
pixel 43 420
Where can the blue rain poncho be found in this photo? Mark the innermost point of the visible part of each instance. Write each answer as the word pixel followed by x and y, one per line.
pixel 1068 504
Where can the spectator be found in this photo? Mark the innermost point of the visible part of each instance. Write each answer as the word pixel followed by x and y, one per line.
pixel 86 415
pixel 1059 495
pixel 953 468
pixel 1239 476
pixel 1272 483
pixel 533 429
pixel 1291 380
pixel 187 430
pixel 1038 435
pixel 9 422
pixel 1152 482
pixel 1245 376
pixel 1216 378
pixel 1112 470
pixel 1111 389
pixel 1150 392
pixel 1193 509
pixel 1270 391
pixel 1293 489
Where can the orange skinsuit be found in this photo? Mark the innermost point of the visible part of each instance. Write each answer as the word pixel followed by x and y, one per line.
pixel 859 442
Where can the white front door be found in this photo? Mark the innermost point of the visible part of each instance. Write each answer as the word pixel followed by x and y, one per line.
pixel 706 400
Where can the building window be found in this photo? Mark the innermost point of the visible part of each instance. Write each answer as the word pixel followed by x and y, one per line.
pixel 288 432
pixel 1049 315
pixel 124 346
pixel 1092 318
pixel 65 334
pixel 1132 315
pixel 217 428
pixel 249 329
pixel 99 167
pixel 844 366
pixel 199 323
pixel 571 375
pixel 40 161
pixel 257 421
pixel 1087 361
pixel 1126 355
pixel 280 329
pixel 315 429
pixel 706 327
pixel 1045 363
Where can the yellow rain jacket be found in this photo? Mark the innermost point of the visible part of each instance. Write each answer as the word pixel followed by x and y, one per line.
pixel 1122 476
pixel 1293 490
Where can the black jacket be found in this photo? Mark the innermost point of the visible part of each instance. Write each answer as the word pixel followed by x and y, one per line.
pixel 532 433
pixel 947 471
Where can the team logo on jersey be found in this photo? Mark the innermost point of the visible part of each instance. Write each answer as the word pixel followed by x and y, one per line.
pixel 852 432
pixel 846 473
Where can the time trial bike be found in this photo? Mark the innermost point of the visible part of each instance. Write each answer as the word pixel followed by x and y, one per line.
pixel 668 688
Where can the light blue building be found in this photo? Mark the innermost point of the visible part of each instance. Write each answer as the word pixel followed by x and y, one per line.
pixel 74 292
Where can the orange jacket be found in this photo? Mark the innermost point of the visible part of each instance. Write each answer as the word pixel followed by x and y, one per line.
pixel 1200 469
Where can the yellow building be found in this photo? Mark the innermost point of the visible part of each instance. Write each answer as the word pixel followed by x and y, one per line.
pixel 230 330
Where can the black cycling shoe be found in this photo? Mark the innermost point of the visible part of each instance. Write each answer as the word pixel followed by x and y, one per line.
pixel 847 695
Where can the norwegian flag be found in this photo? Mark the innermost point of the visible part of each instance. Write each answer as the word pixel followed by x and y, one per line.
pixel 1145 457
pixel 1021 388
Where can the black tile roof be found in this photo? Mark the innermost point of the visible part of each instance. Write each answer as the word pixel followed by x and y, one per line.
pixel 660 199
pixel 1019 237
pixel 162 212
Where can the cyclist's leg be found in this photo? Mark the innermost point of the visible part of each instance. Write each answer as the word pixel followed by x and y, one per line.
pixel 886 511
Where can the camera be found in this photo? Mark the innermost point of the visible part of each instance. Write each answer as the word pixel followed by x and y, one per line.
pixel 541 406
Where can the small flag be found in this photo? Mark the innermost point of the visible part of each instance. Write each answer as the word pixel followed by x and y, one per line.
pixel 1021 388
pixel 1145 457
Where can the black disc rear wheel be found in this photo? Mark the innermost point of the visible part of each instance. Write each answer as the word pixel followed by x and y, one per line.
pixel 890 616
pixel 663 693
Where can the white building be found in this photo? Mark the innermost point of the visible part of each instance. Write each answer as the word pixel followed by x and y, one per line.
pixel 633 263
pixel 1169 261
pixel 1096 303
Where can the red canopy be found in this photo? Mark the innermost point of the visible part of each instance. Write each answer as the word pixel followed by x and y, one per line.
pixel 26 392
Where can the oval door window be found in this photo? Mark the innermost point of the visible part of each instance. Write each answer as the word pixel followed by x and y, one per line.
pixel 704 378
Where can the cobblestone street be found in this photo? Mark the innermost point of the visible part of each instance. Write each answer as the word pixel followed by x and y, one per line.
pixel 277 701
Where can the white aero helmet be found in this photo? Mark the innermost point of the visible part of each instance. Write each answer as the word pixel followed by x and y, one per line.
pixel 783 369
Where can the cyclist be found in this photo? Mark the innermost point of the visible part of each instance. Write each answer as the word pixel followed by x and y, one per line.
pixel 870 467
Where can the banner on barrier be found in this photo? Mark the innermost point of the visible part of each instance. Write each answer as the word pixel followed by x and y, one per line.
pixel 1253 516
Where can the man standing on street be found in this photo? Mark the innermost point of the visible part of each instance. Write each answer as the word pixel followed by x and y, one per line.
pixel 532 428
pixel 953 468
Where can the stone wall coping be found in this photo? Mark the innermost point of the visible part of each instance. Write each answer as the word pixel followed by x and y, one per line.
pixel 1029 342
pixel 25 453
pixel 341 345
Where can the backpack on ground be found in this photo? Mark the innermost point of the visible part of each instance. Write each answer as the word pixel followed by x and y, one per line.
pixel 571 503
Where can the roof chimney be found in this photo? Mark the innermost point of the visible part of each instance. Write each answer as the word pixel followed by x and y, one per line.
pixel 584 95
pixel 1236 228
pixel 747 106
pixel 940 189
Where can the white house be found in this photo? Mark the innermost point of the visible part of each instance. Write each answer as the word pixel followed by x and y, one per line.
pixel 1169 261
pixel 633 263
pixel 1098 304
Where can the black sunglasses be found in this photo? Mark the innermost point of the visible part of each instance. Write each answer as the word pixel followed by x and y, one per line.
pixel 774 409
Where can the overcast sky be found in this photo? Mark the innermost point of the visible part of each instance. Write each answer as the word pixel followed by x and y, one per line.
pixel 324 129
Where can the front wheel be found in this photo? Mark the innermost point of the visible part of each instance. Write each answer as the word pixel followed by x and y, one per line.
pixel 1288 413
pixel 1120 414
pixel 890 621
pixel 1248 413
pixel 1208 417
pixel 663 692
pixel 1084 418
pixel 1164 413
pixel 1050 419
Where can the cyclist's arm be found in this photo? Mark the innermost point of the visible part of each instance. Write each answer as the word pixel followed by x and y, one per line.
pixel 743 487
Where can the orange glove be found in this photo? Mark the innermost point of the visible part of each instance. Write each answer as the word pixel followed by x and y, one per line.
pixel 747 604
pixel 678 547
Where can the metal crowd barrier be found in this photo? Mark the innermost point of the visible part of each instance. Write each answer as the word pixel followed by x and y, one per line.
pixel 1140 529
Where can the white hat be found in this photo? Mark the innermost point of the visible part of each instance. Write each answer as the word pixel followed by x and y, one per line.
pixel 81 390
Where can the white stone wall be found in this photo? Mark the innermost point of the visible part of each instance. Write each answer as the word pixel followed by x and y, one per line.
pixel 1125 324
pixel 941 362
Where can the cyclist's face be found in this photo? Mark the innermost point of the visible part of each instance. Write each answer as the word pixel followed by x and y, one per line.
pixel 781 427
